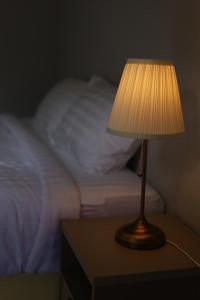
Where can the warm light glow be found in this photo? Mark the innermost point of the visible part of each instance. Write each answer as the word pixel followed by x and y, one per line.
pixel 147 104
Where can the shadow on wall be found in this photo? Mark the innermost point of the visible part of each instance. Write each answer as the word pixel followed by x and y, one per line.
pixel 182 148
pixel 175 163
pixel 187 143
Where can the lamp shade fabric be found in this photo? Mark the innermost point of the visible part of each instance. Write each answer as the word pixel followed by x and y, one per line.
pixel 147 103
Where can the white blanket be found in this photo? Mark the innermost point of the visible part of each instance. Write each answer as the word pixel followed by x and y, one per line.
pixel 35 193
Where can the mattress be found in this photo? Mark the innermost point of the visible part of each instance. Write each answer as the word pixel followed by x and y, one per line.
pixel 115 194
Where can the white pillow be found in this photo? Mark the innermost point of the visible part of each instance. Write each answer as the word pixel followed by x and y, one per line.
pixel 82 135
pixel 55 105
pixel 100 84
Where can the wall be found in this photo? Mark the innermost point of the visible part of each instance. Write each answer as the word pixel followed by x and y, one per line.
pixel 27 54
pixel 175 164
pixel 96 37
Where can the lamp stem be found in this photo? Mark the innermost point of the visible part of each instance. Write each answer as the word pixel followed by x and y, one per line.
pixel 140 234
pixel 144 150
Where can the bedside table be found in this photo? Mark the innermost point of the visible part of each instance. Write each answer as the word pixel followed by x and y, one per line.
pixel 95 267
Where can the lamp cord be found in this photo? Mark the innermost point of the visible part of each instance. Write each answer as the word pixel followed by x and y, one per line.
pixel 184 252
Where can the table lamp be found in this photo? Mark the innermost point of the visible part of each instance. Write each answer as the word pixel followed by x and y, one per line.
pixel 147 106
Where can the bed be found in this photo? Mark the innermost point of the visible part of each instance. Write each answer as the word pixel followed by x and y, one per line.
pixel 54 167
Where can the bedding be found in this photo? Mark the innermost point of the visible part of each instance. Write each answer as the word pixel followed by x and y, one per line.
pixel 115 194
pixel 83 133
pixel 62 164
pixel 35 193
pixel 100 84
pixel 55 105
pixel 77 129
pixel 58 100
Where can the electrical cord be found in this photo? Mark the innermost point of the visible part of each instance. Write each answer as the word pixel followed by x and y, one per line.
pixel 184 252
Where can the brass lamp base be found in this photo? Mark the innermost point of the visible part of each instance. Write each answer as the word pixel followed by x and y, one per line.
pixel 140 235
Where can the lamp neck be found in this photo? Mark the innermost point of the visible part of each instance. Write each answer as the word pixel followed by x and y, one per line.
pixel 144 149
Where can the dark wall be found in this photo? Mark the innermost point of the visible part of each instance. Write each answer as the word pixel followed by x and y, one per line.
pixel 175 164
pixel 28 53
pixel 96 37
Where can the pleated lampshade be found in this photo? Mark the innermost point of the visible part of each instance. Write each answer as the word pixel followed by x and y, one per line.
pixel 147 103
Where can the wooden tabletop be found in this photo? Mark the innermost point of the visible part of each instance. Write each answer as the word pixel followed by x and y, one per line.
pixel 92 241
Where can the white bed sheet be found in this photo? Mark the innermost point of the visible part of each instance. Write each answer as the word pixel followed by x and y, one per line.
pixel 35 193
pixel 115 194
